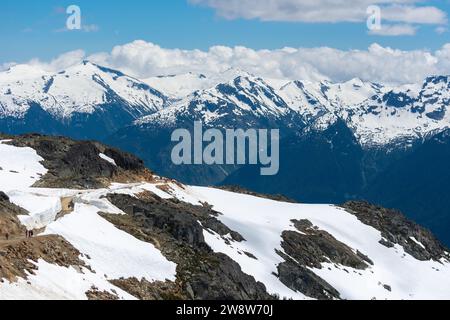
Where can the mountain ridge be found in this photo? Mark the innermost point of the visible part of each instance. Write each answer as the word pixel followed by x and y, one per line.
pixel 364 129
pixel 125 233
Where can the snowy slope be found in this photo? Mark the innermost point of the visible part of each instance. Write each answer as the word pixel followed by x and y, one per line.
pixel 178 86
pixel 81 88
pixel 19 167
pixel 110 253
pixel 51 282
pixel 262 221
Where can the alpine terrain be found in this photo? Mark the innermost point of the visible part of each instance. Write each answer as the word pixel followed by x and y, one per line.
pixel 82 220
pixel 339 142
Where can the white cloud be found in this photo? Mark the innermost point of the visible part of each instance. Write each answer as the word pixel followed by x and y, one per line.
pixel 412 14
pixel 61 62
pixel 378 64
pixel 395 30
pixel 312 11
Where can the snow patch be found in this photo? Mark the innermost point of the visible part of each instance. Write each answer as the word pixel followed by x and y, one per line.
pixel 106 158
pixel 19 167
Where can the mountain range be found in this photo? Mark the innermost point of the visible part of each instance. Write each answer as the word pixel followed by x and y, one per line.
pixel 339 141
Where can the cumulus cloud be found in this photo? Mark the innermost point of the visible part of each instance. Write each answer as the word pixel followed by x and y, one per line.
pixel 324 10
pixel 378 64
pixel 395 30
pixel 61 62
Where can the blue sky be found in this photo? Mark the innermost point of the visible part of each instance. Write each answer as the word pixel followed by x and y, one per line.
pixel 32 29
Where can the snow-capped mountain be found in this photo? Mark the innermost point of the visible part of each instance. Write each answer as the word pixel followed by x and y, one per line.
pixel 107 228
pixel 244 102
pixel 379 115
pixel 73 96
pixel 178 86
pixel 338 139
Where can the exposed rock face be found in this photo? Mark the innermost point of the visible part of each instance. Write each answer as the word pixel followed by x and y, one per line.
pixel 313 247
pixel 77 164
pixel 3 197
pixel 10 226
pixel 177 218
pixel 305 281
pixel 16 256
pixel 124 160
pixel 145 290
pixel 396 229
pixel 310 248
pixel 95 294
pixel 173 227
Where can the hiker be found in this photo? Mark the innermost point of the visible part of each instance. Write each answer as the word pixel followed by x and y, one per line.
pixel 7 236
pixel 31 234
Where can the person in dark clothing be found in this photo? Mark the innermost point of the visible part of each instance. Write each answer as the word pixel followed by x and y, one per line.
pixel 7 236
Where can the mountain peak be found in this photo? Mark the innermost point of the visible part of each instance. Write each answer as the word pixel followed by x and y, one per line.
pixel 22 71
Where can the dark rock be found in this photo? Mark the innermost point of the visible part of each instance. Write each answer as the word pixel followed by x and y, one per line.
pixel 82 160
pixel 305 281
pixel 388 288
pixel 397 229
pixel 173 227
pixel 3 197
pixel 180 219
pixel 313 247
pixel 310 249
pixel 386 243
pixel 77 164
pixel 224 280
pixel 124 160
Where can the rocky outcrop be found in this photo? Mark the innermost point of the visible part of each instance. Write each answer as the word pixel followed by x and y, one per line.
pixel 78 164
pixel 174 228
pixel 18 256
pixel 179 219
pixel 301 279
pixel 310 247
pixel 10 226
pixel 95 294
pixel 395 228
pixel 145 290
